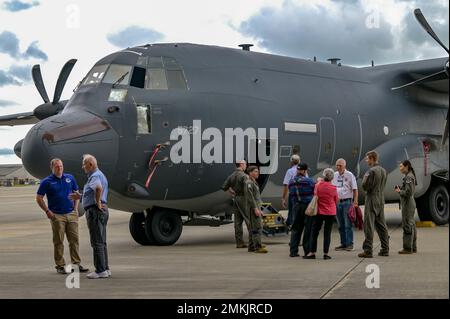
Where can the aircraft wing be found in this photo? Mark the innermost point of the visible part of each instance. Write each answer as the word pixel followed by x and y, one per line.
pixel 18 119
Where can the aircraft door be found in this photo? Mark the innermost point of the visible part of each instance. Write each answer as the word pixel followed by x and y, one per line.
pixel 327 143
pixel 266 151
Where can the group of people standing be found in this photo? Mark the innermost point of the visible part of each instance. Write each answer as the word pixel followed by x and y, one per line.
pixel 337 192
pixel 63 198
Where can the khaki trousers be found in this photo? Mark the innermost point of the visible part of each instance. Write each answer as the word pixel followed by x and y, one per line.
pixel 65 224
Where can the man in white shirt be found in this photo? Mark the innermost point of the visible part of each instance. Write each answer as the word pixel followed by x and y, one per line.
pixel 347 188
pixel 290 174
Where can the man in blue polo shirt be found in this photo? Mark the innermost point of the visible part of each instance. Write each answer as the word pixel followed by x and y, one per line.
pixel 62 213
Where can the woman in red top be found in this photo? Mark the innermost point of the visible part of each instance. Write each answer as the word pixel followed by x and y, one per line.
pixel 326 212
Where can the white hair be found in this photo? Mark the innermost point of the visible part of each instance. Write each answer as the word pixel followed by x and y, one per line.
pixel 328 174
pixel 344 162
pixel 295 159
pixel 90 159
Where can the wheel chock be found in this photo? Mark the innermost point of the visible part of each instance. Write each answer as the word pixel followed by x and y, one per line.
pixel 425 224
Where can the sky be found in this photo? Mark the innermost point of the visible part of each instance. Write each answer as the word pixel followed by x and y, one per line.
pixel 49 33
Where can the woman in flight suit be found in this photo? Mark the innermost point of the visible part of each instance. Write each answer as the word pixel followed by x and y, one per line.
pixel 408 205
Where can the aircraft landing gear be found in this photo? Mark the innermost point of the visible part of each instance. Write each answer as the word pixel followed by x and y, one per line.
pixel 137 229
pixel 160 227
pixel 163 226
pixel 434 204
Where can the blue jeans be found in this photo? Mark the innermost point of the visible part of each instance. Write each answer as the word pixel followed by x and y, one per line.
pixel 345 226
pixel 97 220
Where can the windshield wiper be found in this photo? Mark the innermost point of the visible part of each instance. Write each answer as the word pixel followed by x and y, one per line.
pixel 120 79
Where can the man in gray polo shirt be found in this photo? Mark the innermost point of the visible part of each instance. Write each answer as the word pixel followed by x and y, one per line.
pixel 347 189
pixel 94 199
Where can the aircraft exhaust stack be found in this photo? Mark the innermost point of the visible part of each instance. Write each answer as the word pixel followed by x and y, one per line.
pixel 246 46
pixel 334 60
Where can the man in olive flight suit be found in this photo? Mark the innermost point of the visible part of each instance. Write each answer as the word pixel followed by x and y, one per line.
pixel 373 184
pixel 234 184
pixel 254 201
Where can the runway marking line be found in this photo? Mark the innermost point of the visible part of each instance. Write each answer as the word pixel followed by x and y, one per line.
pixel 340 281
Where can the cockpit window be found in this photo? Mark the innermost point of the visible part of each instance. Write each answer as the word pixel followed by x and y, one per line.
pixel 157 79
pixel 96 74
pixel 118 74
pixel 165 73
pixel 171 63
pixel 138 77
pixel 155 62
pixel 176 79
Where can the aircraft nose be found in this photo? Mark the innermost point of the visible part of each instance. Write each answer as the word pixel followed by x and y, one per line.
pixel 34 153
pixel 69 136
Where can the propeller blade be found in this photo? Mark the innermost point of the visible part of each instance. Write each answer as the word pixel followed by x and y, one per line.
pixel 441 75
pixel 423 22
pixel 62 78
pixel 18 119
pixel 39 83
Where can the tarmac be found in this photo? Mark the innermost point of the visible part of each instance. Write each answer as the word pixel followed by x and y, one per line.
pixel 205 264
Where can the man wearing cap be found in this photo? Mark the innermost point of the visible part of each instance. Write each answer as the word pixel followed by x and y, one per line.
pixel 347 189
pixel 301 192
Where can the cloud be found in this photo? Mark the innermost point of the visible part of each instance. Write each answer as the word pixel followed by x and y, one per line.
pixel 345 29
pixel 9 44
pixel 134 35
pixel 21 72
pixel 33 51
pixel 16 5
pixel 16 75
pixel 6 151
pixel 4 103
pixel 7 79
pixel 436 14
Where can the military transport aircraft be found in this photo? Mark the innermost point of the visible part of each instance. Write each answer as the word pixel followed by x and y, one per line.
pixel 133 106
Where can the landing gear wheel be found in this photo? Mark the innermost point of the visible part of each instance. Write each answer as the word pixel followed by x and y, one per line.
pixel 164 226
pixel 137 229
pixel 434 205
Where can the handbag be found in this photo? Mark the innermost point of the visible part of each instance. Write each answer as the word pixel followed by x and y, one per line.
pixel 311 210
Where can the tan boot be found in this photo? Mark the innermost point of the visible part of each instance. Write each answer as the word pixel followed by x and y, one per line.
pixel 405 252
pixel 261 250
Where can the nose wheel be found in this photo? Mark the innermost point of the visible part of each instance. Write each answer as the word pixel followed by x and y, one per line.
pixel 137 229
pixel 160 227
